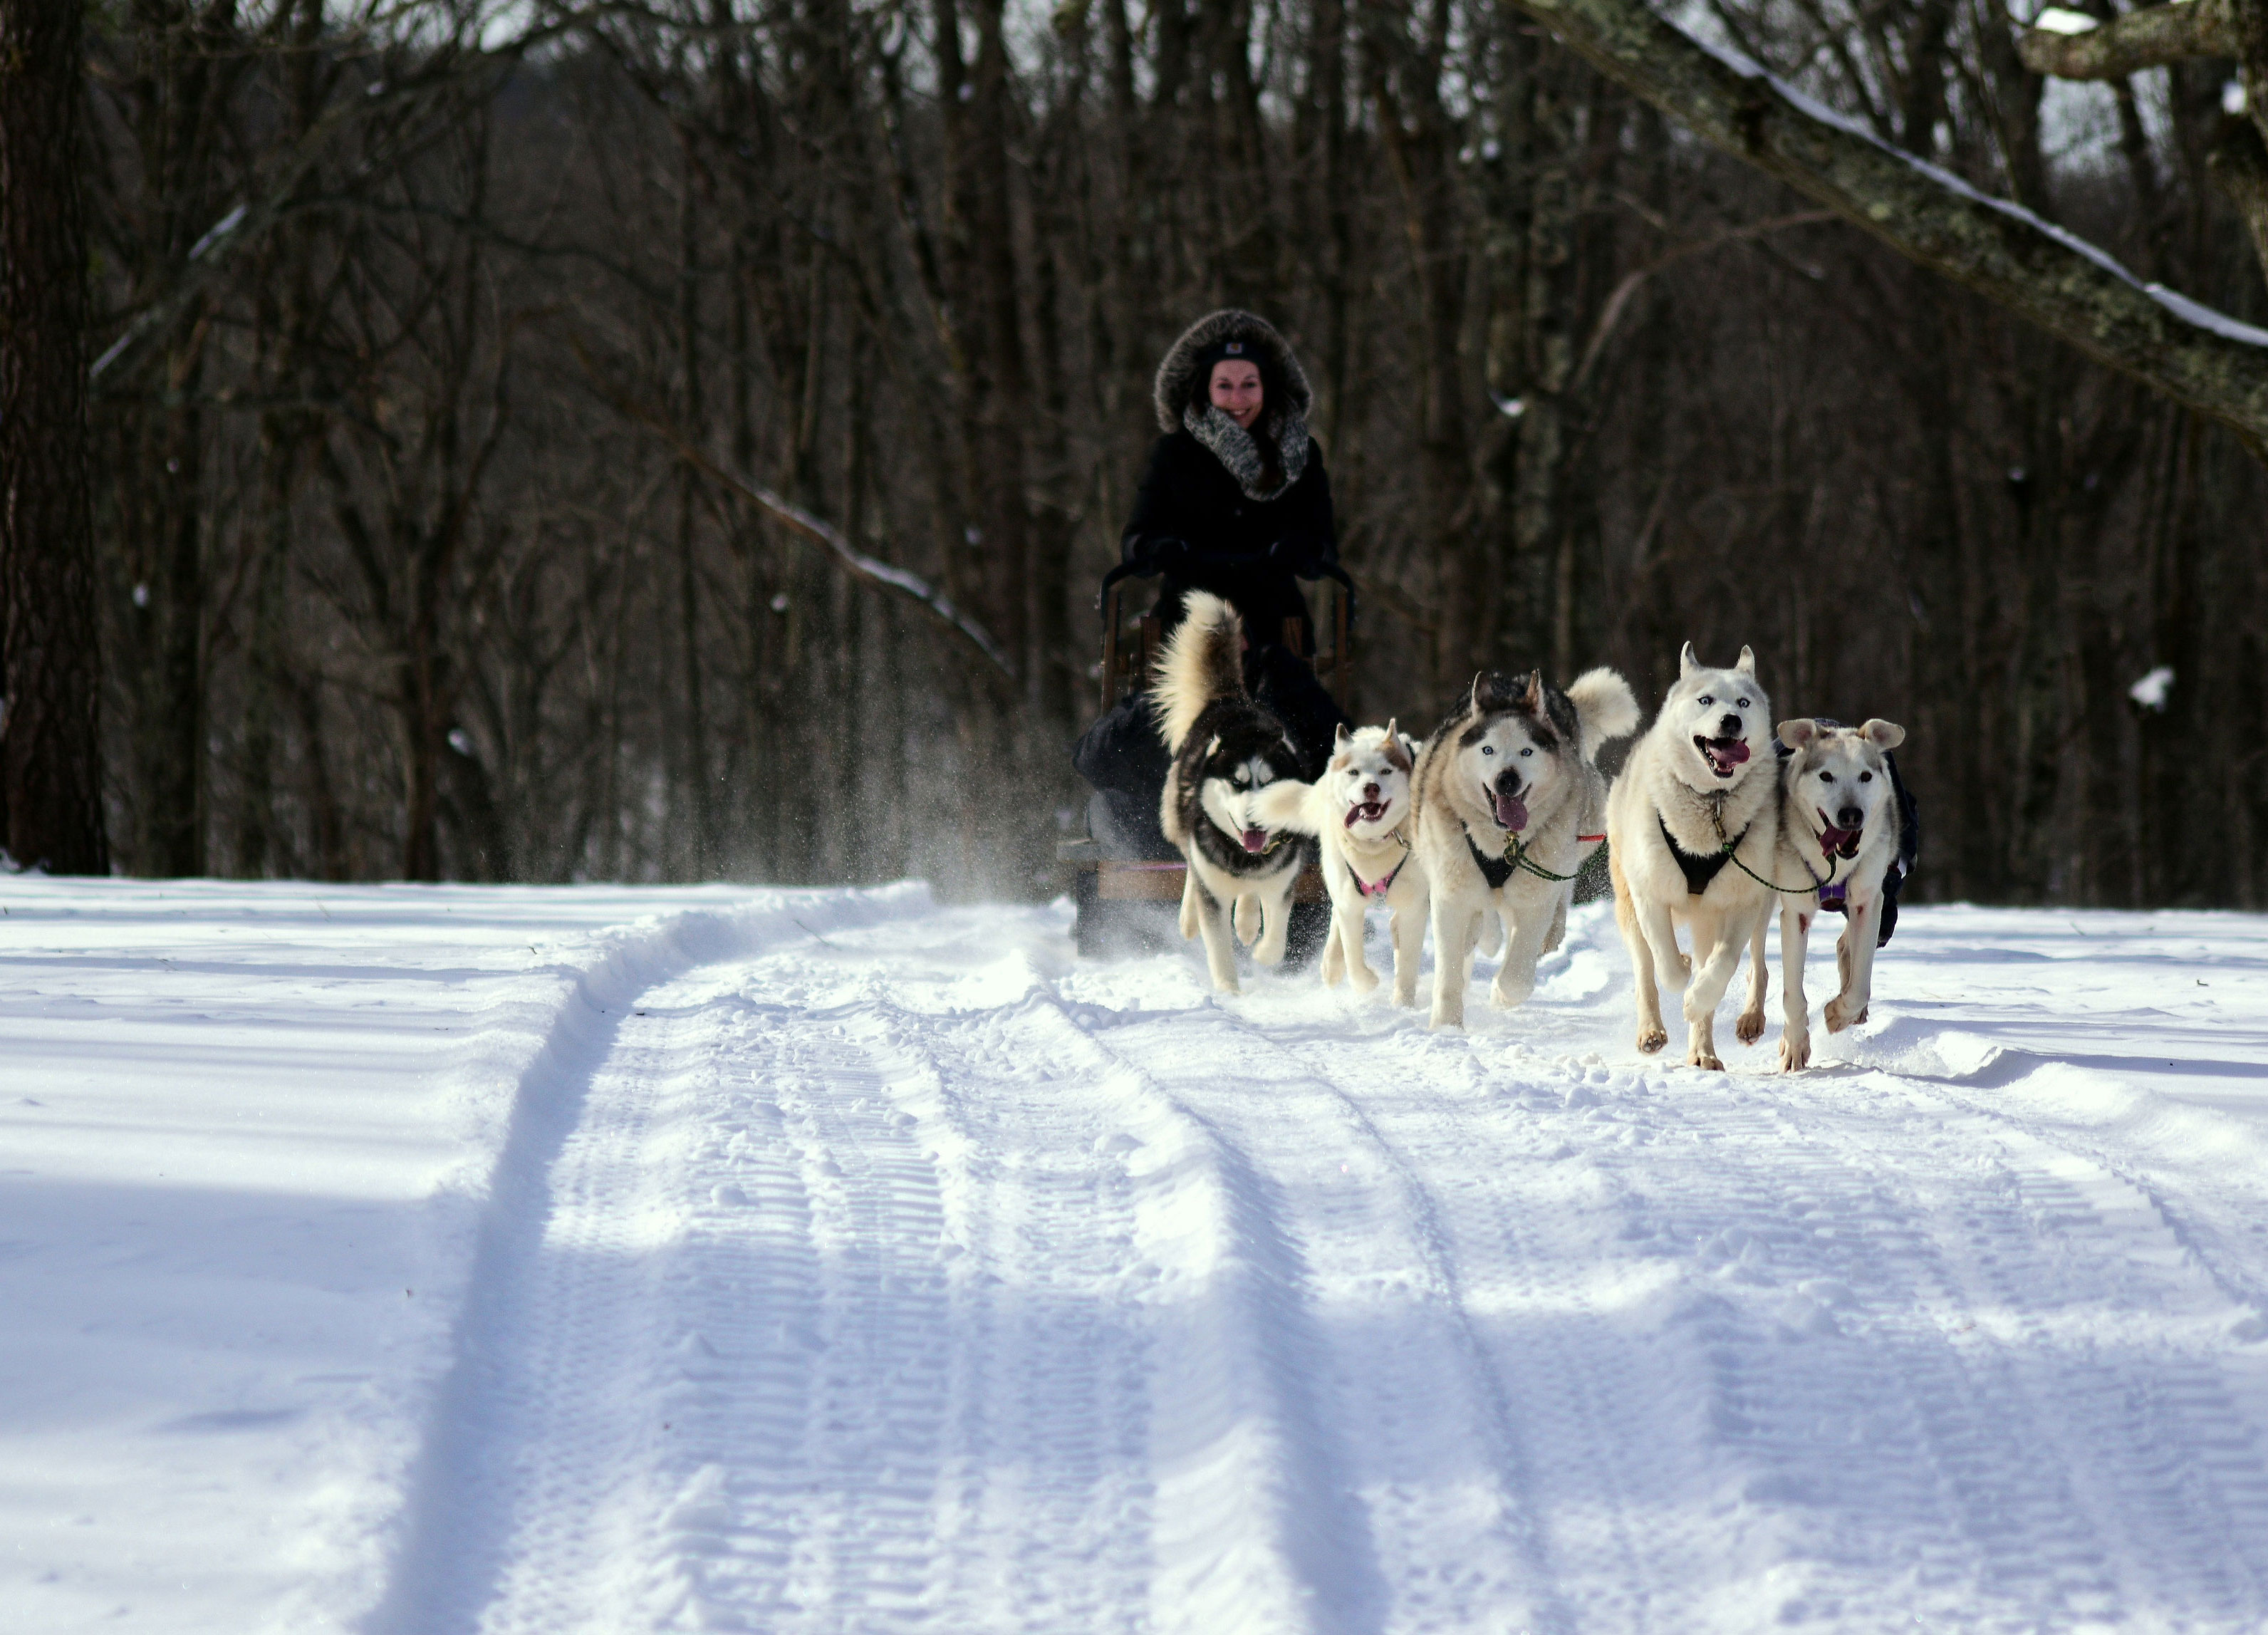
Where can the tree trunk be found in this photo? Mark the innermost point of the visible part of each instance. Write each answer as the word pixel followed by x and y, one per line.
pixel 50 756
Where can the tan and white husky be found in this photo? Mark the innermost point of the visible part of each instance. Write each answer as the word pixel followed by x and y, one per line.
pixel 1360 813
pixel 1839 833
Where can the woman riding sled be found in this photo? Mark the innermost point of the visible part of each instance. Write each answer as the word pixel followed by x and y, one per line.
pixel 1236 502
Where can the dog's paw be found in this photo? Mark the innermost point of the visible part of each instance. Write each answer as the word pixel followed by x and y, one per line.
pixel 1651 1039
pixel 1749 1028
pixel 1840 1016
pixel 1703 1055
pixel 1406 998
pixel 1445 1017
pixel 1364 979
pixel 1506 998
pixel 1794 1052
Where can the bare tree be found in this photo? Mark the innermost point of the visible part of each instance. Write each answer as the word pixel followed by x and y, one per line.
pixel 50 751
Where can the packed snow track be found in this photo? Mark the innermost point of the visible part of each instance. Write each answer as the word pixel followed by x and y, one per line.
pixel 842 1263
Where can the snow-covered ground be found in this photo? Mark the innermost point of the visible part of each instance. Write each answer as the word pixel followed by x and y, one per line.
pixel 416 1261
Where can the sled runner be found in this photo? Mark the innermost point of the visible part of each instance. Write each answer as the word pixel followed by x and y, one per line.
pixel 1126 879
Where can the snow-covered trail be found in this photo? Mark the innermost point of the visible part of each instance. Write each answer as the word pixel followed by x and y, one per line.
pixel 404 1261
pixel 914 1276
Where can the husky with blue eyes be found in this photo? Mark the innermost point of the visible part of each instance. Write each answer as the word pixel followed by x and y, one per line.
pixel 1227 748
pixel 1510 805
pixel 1692 833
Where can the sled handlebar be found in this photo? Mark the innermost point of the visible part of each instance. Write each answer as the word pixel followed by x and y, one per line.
pixel 1233 563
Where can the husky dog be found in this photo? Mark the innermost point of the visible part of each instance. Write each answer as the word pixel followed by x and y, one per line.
pixel 1692 825
pixel 1360 812
pixel 1227 748
pixel 1838 838
pixel 1509 806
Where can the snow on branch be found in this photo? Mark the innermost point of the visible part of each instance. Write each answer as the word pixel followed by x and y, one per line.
pixel 2201 358
pixel 2150 38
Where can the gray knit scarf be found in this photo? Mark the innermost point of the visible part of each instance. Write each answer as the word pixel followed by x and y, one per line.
pixel 1232 445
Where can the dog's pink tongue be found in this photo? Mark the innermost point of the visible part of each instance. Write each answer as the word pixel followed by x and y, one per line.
pixel 1512 812
pixel 1735 751
pixel 1255 840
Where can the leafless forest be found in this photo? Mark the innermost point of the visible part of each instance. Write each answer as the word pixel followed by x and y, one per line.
pixel 454 374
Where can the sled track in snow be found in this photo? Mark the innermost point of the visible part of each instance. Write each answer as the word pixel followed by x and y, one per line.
pixel 912 1281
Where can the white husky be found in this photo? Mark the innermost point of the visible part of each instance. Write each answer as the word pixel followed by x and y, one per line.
pixel 1839 835
pixel 1692 826
pixel 1359 811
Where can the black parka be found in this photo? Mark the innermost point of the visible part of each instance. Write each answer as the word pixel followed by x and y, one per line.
pixel 1192 520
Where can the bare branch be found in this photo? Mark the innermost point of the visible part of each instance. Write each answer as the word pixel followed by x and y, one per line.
pixel 860 565
pixel 2149 37
pixel 2198 357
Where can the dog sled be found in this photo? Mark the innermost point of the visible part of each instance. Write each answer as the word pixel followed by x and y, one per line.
pixel 1126 879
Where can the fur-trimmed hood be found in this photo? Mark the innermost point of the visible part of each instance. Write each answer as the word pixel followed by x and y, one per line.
pixel 1177 374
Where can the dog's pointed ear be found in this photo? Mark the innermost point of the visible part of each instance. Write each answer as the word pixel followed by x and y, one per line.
pixel 1746 664
pixel 1390 733
pixel 1883 735
pixel 1796 734
pixel 1492 691
pixel 1339 739
pixel 1687 662
pixel 1531 696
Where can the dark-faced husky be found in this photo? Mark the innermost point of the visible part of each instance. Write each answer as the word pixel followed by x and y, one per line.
pixel 1510 804
pixel 1227 748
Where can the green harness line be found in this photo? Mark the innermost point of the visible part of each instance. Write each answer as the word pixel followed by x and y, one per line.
pixel 1515 852
pixel 1716 818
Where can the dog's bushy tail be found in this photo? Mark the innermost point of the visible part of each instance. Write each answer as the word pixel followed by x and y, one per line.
pixel 1204 661
pixel 1287 804
pixel 1605 705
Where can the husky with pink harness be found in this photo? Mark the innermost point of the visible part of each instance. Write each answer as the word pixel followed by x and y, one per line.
pixel 1360 812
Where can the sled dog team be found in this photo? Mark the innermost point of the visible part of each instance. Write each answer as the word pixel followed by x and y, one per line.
pixel 1484 827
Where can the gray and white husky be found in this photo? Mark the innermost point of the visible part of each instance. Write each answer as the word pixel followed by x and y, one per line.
pixel 1360 813
pixel 1509 806
pixel 1692 831
pixel 1839 833
pixel 1227 748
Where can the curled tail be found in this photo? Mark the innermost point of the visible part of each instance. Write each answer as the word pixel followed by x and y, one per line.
pixel 1605 706
pixel 1204 661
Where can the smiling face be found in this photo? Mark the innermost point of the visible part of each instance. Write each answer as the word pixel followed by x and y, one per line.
pixel 1511 757
pixel 1235 390
pixel 1839 779
pixel 1368 780
pixel 1233 774
pixel 1720 718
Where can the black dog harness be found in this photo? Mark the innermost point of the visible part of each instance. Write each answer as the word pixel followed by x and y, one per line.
pixel 1496 871
pixel 1700 871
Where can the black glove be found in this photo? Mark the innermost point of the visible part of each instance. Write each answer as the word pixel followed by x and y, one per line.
pixel 1300 554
